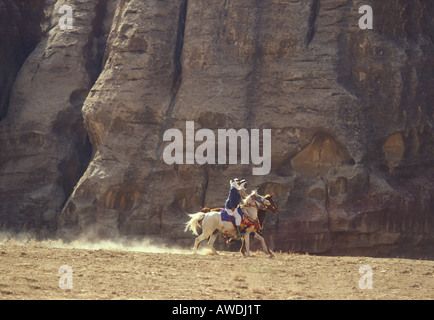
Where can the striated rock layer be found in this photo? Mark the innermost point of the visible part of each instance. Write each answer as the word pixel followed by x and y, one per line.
pixel 351 114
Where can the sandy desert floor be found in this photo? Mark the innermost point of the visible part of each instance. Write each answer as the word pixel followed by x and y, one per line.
pixel 30 270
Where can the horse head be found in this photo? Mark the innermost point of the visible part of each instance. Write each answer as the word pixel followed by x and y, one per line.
pixel 257 201
pixel 272 207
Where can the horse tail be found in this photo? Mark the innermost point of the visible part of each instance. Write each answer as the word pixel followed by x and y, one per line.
pixel 194 222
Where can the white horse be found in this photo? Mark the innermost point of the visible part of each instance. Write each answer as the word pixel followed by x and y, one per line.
pixel 212 224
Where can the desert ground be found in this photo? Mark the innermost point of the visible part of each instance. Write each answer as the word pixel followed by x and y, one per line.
pixel 30 270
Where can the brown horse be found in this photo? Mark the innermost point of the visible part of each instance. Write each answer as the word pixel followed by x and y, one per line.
pixel 261 217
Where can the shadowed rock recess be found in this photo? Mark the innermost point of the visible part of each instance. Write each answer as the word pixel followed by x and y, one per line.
pixel 83 113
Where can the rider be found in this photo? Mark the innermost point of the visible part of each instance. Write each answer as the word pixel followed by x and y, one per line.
pixel 243 188
pixel 232 202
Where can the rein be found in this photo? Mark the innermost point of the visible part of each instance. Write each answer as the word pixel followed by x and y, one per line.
pixel 253 203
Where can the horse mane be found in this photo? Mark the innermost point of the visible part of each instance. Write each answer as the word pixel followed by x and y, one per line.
pixel 254 192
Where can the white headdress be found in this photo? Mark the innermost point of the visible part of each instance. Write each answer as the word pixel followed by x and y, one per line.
pixel 234 183
pixel 243 184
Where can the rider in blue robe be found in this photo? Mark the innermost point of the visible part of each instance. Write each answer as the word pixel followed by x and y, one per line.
pixel 232 202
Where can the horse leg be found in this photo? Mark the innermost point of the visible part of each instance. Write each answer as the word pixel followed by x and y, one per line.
pixel 243 247
pixel 211 241
pixel 209 225
pixel 247 244
pixel 198 240
pixel 264 245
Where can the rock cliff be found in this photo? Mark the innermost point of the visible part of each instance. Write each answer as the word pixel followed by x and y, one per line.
pixel 84 112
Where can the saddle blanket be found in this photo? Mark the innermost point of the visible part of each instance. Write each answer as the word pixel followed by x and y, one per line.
pixel 227 217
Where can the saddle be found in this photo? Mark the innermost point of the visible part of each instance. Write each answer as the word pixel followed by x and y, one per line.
pixel 227 217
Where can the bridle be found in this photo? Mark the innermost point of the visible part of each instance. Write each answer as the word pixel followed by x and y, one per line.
pixel 253 202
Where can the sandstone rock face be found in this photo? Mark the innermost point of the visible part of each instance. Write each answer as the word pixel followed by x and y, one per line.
pixel 21 30
pixel 44 146
pixel 351 114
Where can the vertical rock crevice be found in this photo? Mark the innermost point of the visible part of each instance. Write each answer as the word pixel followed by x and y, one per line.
pixel 177 75
pixel 177 72
pixel 97 40
pixel 314 9
pixel 253 79
pixel 71 123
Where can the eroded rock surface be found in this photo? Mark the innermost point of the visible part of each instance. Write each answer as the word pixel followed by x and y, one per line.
pixel 351 113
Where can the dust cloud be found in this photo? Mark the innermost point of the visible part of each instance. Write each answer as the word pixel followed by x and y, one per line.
pixel 148 245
